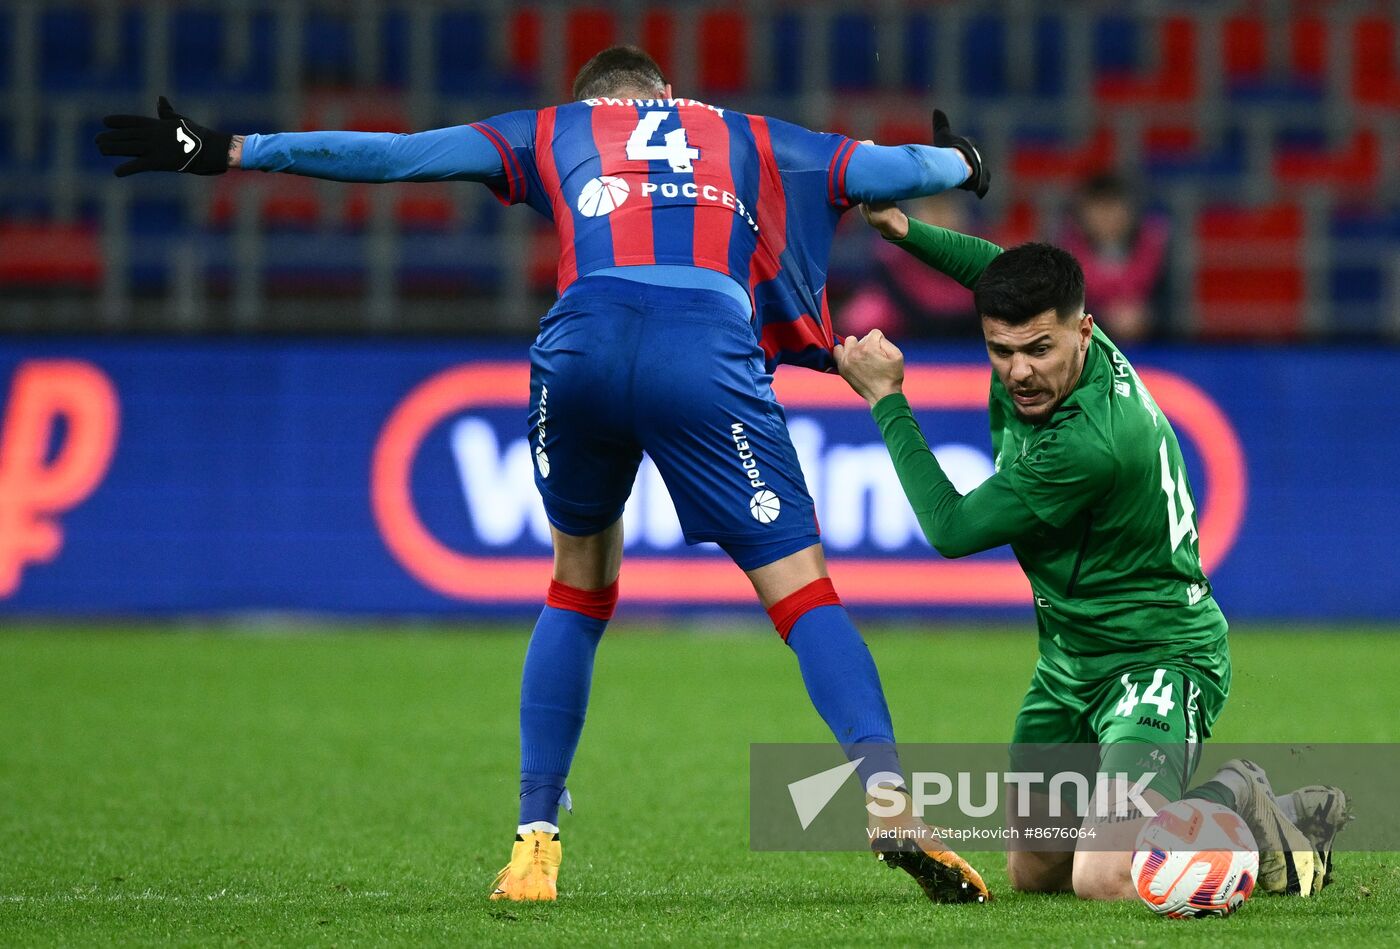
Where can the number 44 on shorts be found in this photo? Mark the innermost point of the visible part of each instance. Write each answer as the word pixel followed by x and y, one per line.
pixel 1157 695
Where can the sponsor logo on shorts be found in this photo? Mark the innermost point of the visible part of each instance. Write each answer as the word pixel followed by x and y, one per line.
pixel 746 459
pixel 765 506
pixel 542 459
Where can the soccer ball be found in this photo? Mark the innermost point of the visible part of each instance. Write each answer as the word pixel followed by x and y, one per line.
pixel 1195 859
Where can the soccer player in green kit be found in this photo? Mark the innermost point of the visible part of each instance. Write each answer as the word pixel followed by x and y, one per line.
pixel 1091 493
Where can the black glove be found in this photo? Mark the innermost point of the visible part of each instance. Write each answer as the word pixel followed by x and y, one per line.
pixel 168 143
pixel 980 179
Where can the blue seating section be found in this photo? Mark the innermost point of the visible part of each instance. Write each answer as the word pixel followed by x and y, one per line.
pixel 225 56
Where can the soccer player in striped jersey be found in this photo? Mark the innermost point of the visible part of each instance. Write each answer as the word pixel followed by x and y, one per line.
pixel 693 247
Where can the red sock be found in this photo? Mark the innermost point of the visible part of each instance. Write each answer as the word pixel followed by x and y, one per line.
pixel 598 604
pixel 790 608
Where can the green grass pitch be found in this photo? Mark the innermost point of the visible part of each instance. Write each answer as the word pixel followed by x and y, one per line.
pixel 357 786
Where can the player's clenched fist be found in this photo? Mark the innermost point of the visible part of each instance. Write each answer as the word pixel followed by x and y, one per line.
pixel 873 365
pixel 169 142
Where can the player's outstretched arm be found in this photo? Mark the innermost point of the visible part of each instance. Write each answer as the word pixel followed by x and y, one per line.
pixel 895 172
pixel 171 142
pixel 960 256
pixel 955 524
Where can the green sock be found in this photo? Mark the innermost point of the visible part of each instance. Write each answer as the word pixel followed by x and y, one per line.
pixel 1213 791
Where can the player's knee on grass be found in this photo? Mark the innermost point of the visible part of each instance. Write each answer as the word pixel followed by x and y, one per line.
pixel 1103 860
pixel 1035 872
pixel 1103 874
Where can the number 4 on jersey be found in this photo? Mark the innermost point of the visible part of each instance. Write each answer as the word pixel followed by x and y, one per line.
pixel 1176 490
pixel 676 151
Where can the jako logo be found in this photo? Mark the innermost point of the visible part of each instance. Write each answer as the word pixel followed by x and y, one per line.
pixel 38 480
pixel 860 504
pixel 602 196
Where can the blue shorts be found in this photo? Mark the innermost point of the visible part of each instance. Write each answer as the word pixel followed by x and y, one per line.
pixel 622 367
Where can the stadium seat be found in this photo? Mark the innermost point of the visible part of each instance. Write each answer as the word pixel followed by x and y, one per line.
pixel 1246 53
pixel 1361 269
pixel 1358 296
pixel 45 253
pixel 287 202
pixel 1174 80
pixel 1375 79
pixel 1275 61
pixel 723 53
pixel 327 263
pixel 1222 167
pixel 7 33
pixel 461 38
pixel 657 35
pixel 328 49
pixel 438 264
pixel 163 216
pixel 1246 66
pixel 367 111
pixel 394 67
pixel 1355 166
pixel 920 52
pixel 1250 282
pixel 198 55
pixel 851 48
pixel 1167 141
pixel 984 73
pixel 1307 42
pixel 1050 66
pixel 586 31
pixel 901 127
pixel 1036 159
pixel 1021 223
pixel 67 49
pixel 522 45
pixel 417 208
pixel 785 57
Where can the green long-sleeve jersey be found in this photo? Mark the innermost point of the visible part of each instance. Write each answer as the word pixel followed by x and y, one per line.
pixel 1094 502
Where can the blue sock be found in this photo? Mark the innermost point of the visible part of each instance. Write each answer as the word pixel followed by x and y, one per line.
pixel 553 700
pixel 844 685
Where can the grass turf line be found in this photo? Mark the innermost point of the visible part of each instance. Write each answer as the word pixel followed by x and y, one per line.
pixel 356 787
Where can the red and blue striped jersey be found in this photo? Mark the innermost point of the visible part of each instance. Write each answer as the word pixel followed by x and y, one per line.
pixel 674 181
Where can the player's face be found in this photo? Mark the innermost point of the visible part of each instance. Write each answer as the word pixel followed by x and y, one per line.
pixel 1038 361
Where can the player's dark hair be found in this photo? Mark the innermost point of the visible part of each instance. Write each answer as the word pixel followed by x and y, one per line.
pixel 1028 280
pixel 615 68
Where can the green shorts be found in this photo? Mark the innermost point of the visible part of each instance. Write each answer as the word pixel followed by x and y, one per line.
pixel 1151 718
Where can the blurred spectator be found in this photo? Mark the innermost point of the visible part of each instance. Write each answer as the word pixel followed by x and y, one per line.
pixel 906 298
pixel 1124 255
